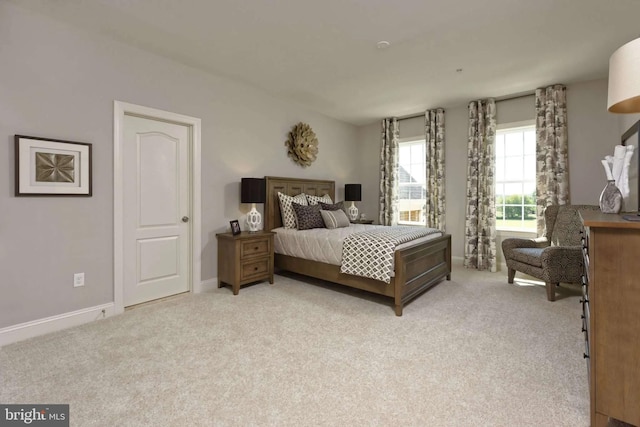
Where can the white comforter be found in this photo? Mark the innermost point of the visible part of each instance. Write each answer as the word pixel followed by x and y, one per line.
pixel 324 245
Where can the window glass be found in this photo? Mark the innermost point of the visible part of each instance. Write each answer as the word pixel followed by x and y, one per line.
pixel 516 178
pixel 412 192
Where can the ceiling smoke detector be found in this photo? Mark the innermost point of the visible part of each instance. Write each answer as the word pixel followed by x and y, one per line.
pixel 383 44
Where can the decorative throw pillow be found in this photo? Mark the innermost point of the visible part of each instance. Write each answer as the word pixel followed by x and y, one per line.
pixel 308 217
pixel 314 200
pixel 331 207
pixel 334 219
pixel 288 215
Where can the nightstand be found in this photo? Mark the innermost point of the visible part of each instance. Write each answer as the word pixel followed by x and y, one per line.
pixel 362 221
pixel 244 258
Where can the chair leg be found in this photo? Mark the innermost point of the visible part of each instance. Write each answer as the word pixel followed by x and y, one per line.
pixel 511 273
pixel 551 290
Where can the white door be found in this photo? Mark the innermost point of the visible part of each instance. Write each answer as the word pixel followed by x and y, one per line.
pixel 156 209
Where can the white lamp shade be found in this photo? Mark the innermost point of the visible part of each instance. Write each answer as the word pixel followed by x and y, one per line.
pixel 624 79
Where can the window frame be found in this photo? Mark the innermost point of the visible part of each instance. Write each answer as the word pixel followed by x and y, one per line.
pixel 513 126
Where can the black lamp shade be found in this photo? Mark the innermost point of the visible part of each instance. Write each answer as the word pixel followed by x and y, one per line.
pixel 353 192
pixel 253 190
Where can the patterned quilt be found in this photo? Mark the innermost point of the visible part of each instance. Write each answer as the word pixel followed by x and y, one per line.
pixel 370 253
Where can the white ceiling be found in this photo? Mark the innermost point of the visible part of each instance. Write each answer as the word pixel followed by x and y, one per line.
pixel 322 54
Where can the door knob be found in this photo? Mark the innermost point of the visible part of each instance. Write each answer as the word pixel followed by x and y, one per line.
pixel 185 219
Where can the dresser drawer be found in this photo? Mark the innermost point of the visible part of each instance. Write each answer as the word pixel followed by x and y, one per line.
pixel 256 268
pixel 254 247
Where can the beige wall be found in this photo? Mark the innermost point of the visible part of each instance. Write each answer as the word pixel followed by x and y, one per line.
pixel 61 82
pixel 593 132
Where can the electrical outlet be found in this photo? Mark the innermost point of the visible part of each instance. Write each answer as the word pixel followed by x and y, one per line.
pixel 78 280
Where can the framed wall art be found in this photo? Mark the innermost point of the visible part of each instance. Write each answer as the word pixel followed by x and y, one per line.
pixel 52 167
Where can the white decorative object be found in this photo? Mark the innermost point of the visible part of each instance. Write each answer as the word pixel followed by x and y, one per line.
pixel 616 168
pixel 353 212
pixel 254 219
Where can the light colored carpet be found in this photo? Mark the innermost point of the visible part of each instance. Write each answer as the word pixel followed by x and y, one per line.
pixel 474 351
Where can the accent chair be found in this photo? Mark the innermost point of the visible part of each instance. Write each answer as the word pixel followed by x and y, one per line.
pixel 555 257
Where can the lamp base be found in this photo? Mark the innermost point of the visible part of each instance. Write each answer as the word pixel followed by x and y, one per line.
pixel 353 212
pixel 254 219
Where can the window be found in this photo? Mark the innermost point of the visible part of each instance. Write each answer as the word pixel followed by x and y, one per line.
pixel 516 178
pixel 412 189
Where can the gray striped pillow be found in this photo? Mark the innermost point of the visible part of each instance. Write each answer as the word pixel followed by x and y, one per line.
pixel 334 219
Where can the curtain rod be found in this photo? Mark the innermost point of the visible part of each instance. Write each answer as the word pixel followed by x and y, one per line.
pixel 498 99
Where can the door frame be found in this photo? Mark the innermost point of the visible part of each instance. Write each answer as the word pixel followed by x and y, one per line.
pixel 120 109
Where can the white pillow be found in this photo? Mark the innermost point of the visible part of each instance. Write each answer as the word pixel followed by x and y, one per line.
pixel 286 210
pixel 334 219
pixel 313 200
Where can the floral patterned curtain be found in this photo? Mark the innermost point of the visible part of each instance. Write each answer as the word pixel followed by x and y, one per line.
pixel 552 150
pixel 389 172
pixel 480 223
pixel 435 206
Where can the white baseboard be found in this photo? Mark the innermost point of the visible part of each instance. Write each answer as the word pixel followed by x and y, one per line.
pixel 34 328
pixel 206 286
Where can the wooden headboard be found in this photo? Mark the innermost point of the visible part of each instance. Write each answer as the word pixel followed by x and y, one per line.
pixel 291 187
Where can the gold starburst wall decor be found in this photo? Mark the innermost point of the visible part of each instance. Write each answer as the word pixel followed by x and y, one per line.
pixel 302 144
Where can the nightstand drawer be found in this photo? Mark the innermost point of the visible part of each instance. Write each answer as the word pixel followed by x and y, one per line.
pixel 254 268
pixel 254 247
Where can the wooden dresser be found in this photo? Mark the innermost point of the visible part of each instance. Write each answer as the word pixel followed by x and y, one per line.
pixel 611 319
pixel 245 258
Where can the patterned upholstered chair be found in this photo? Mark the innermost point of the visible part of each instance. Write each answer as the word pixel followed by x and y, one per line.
pixel 557 256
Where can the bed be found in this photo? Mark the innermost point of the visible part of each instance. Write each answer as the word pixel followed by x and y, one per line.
pixel 416 268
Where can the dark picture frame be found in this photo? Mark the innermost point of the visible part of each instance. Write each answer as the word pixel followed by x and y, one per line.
pixel 52 167
pixel 235 227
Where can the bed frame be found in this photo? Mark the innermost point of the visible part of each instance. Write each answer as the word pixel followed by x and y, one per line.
pixel 417 268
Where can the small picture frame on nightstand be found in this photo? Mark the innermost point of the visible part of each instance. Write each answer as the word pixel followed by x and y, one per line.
pixel 235 227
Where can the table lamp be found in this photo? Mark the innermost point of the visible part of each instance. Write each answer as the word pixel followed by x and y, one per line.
pixel 353 193
pixel 624 84
pixel 624 90
pixel 253 191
